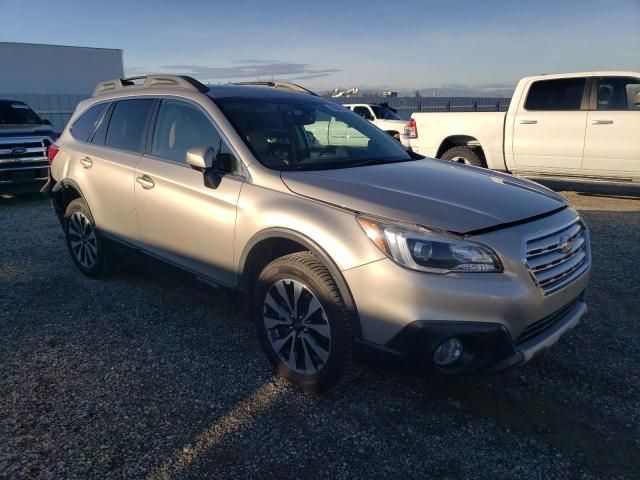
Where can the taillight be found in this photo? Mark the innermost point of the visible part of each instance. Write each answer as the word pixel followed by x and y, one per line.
pixel 52 151
pixel 411 131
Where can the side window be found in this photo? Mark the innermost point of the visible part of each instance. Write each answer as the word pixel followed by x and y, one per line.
pixel 127 124
pixel 559 94
pixel 83 127
pixel 181 126
pixel 618 93
pixel 363 112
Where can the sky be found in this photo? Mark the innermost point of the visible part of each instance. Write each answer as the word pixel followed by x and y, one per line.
pixel 399 45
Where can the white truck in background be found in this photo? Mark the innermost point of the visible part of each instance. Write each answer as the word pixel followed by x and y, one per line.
pixel 382 116
pixel 577 126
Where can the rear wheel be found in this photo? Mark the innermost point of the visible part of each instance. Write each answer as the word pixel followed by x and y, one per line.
pixel 87 248
pixel 303 323
pixel 466 155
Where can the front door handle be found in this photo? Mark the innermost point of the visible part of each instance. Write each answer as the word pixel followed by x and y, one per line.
pixel 528 122
pixel 602 122
pixel 86 162
pixel 146 182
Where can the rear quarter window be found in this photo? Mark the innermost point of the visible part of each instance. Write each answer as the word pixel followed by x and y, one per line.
pixel 83 127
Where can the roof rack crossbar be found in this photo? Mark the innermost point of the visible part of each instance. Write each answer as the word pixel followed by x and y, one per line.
pixel 177 81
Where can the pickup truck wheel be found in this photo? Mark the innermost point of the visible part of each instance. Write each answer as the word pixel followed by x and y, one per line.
pixel 89 251
pixel 303 324
pixel 464 155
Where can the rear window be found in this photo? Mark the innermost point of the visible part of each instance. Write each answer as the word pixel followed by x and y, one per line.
pixel 83 127
pixel 17 113
pixel 558 94
pixel 127 124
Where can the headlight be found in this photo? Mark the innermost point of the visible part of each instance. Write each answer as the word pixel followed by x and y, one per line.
pixel 419 249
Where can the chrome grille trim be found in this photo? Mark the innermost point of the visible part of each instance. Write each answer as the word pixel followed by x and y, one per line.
pixel 550 268
pixel 19 153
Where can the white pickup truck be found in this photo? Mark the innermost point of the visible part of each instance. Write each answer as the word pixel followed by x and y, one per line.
pixel 381 115
pixel 580 126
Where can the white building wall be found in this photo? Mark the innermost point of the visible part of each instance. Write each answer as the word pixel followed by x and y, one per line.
pixel 33 68
pixel 52 79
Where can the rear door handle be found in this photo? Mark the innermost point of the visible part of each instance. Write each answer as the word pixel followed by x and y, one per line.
pixel 86 162
pixel 602 122
pixel 528 122
pixel 146 182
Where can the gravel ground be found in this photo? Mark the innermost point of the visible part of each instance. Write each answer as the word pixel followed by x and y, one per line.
pixel 149 374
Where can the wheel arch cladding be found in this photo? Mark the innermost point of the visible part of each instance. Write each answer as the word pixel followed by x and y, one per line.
pixel 273 243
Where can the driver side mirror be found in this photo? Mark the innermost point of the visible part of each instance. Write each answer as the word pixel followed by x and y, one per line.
pixel 46 122
pixel 200 158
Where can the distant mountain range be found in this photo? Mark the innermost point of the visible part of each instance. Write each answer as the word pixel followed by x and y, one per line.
pixel 444 91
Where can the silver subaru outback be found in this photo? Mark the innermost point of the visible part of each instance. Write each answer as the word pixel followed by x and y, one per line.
pixel 338 239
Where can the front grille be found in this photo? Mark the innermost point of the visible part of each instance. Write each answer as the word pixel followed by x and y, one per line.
pixel 23 151
pixel 547 322
pixel 556 257
pixel 23 159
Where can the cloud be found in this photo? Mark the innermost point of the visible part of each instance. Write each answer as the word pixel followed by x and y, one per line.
pixel 308 77
pixel 256 61
pixel 251 70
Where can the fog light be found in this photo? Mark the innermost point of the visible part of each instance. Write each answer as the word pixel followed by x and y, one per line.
pixel 448 352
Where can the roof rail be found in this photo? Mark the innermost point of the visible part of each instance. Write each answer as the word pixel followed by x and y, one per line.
pixel 176 81
pixel 277 84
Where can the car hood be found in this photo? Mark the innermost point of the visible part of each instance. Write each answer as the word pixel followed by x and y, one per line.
pixel 27 130
pixel 432 193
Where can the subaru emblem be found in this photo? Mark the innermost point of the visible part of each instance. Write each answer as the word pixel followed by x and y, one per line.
pixel 566 244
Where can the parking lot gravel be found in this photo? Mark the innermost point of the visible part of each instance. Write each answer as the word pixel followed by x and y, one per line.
pixel 151 374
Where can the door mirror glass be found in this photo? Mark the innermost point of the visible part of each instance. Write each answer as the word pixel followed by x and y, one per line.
pixel 200 158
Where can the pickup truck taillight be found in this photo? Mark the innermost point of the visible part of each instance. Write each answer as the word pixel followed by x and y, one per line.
pixel 52 151
pixel 412 129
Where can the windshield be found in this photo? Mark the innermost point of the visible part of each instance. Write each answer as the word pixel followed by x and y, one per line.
pixel 385 113
pixel 17 113
pixel 305 134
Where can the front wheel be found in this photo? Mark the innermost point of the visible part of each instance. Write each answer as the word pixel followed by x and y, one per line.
pixel 303 324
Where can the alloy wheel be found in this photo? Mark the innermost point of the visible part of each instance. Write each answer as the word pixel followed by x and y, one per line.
pixel 297 326
pixel 82 239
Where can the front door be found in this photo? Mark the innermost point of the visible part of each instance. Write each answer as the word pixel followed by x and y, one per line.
pixel 181 219
pixel 549 128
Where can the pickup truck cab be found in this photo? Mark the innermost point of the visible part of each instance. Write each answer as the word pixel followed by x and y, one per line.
pixel 24 140
pixel 580 126
pixel 381 115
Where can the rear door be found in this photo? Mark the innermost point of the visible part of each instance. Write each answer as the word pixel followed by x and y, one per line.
pixel 181 219
pixel 612 142
pixel 549 126
pixel 106 163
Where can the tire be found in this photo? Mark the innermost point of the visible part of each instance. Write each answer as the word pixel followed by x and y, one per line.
pixel 315 354
pixel 464 155
pixel 89 251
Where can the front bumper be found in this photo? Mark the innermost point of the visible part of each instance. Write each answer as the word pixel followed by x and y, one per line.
pixel 504 316
pixel 488 347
